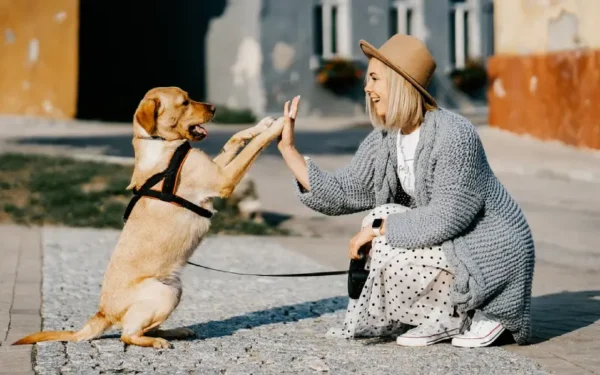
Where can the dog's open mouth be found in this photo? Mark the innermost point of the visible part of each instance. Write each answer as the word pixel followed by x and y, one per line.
pixel 198 132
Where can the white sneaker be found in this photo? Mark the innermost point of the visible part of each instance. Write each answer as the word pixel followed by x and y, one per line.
pixel 423 336
pixel 483 332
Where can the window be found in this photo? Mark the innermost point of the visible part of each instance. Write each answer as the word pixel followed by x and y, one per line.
pixel 331 22
pixel 465 38
pixel 401 17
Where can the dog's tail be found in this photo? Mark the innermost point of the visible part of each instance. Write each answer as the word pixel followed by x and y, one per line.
pixel 92 329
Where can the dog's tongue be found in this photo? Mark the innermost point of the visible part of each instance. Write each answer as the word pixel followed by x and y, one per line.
pixel 198 131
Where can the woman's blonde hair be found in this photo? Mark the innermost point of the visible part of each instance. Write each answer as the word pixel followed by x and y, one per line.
pixel 406 105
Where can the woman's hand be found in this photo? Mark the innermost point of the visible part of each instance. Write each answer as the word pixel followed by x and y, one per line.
pixel 365 236
pixel 287 147
pixel 286 140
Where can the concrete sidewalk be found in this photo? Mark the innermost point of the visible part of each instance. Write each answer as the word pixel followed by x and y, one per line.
pixel 566 313
pixel 20 295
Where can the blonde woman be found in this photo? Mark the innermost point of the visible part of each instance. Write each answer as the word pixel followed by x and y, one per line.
pixel 451 255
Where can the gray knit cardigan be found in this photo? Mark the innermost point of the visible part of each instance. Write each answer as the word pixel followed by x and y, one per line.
pixel 459 203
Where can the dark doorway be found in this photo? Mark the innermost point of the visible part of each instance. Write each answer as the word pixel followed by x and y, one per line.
pixel 128 47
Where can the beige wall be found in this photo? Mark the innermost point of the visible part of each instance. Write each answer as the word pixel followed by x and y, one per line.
pixel 539 26
pixel 38 57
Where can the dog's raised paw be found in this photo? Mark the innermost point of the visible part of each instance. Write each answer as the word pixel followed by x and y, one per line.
pixel 265 123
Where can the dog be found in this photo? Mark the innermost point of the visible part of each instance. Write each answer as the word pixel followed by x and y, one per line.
pixel 142 284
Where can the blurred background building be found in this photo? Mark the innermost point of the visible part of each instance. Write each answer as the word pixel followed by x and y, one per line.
pixel 96 59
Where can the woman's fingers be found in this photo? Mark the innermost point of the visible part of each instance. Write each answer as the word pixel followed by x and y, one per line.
pixel 286 108
pixel 294 108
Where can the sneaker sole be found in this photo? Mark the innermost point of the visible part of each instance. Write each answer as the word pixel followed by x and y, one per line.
pixel 479 342
pixel 412 342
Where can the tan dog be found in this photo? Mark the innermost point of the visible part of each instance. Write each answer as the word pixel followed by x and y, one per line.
pixel 141 285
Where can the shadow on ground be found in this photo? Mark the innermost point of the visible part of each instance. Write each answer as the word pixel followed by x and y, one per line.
pixel 561 313
pixel 341 142
pixel 283 314
pixel 553 315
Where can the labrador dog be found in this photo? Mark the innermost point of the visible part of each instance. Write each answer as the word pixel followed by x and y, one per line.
pixel 142 284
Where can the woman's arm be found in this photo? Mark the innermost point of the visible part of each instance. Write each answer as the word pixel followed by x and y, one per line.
pixel 456 195
pixel 297 165
pixel 344 191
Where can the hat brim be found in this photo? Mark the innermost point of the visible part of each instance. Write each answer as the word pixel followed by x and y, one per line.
pixel 370 51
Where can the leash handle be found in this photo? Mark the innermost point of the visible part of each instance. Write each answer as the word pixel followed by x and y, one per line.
pixel 309 274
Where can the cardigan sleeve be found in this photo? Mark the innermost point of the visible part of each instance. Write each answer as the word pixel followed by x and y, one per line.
pixel 456 196
pixel 346 190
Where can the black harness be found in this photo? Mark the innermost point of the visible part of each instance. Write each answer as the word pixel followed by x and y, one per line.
pixel 170 176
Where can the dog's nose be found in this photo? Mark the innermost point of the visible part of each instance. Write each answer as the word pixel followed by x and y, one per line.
pixel 212 108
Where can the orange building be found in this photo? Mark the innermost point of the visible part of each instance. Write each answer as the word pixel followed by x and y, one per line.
pixel 38 57
pixel 545 74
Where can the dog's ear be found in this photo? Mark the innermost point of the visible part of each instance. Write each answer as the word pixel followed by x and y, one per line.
pixel 146 114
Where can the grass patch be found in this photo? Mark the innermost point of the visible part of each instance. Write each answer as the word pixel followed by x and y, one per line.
pixel 225 115
pixel 49 190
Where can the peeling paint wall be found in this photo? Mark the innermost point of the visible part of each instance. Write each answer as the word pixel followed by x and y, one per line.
pixel 38 57
pixel 546 72
pixel 539 26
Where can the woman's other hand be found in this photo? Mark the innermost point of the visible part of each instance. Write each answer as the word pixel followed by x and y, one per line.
pixel 365 236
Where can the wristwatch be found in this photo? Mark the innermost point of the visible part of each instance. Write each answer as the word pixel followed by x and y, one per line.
pixel 377 226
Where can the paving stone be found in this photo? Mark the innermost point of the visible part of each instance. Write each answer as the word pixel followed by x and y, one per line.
pixel 245 325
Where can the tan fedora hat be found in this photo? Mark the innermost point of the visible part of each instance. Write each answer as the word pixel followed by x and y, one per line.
pixel 409 57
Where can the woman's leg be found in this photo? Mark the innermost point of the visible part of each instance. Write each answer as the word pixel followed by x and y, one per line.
pixel 404 287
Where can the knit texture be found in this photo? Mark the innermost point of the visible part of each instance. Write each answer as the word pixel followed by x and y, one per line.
pixel 459 203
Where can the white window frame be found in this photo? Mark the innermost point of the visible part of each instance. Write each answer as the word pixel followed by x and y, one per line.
pixel 343 30
pixel 402 7
pixel 470 8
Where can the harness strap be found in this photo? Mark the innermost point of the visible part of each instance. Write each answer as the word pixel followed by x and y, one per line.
pixel 170 178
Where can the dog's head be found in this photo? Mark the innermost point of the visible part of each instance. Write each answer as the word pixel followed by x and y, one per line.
pixel 169 113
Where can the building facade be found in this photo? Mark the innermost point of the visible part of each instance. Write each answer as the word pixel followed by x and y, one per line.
pixel 96 59
pixel 260 53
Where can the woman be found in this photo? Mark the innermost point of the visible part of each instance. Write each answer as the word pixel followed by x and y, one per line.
pixel 452 253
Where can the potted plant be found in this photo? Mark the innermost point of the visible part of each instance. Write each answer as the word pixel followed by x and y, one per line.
pixel 471 79
pixel 338 74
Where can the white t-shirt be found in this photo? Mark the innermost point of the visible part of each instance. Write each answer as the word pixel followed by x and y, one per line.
pixel 407 145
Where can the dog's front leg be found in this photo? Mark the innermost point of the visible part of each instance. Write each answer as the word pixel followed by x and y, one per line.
pixel 235 170
pixel 239 139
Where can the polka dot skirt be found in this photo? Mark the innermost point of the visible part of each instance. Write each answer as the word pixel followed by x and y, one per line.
pixel 405 286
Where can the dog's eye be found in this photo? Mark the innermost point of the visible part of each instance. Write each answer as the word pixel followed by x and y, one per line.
pixel 185 102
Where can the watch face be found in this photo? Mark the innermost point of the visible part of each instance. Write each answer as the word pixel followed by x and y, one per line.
pixel 377 223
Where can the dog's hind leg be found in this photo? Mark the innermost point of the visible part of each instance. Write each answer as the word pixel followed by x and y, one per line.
pixel 139 319
pixel 154 303
pixel 238 140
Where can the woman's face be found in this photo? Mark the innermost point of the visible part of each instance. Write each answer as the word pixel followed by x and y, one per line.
pixel 377 87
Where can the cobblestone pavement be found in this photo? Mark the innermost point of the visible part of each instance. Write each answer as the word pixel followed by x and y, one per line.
pixel 245 325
